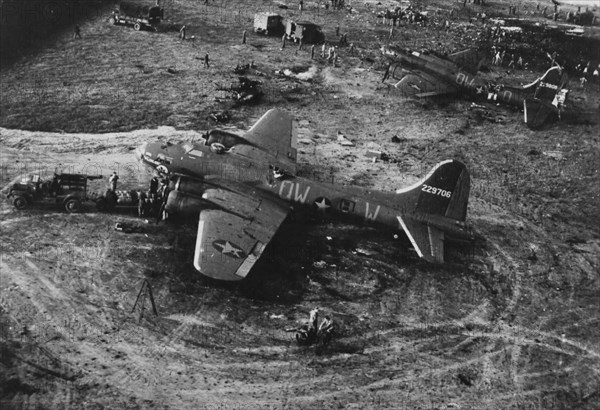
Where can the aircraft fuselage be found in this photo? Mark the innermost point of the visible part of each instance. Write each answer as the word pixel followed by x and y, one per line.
pixel 229 168
pixel 450 73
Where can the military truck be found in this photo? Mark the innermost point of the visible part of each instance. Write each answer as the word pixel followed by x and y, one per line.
pixel 304 30
pixel 66 190
pixel 138 15
pixel 269 24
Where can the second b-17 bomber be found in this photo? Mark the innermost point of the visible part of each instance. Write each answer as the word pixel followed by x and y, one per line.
pixel 244 186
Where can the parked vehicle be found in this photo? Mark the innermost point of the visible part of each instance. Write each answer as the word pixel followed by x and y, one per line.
pixel 304 30
pixel 269 24
pixel 66 190
pixel 137 15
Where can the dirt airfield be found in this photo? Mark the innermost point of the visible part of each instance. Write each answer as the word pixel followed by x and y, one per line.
pixel 510 322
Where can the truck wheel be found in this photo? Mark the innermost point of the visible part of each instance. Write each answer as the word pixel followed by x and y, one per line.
pixel 112 20
pixel 20 202
pixel 137 26
pixel 72 205
pixel 101 204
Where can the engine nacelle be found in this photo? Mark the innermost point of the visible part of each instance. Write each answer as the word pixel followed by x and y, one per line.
pixel 188 186
pixel 179 203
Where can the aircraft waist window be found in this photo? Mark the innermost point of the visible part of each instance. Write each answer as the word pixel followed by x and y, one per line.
pixel 346 205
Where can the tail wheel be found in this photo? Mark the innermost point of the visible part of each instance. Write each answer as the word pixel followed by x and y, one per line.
pixel 72 205
pixel 20 202
pixel 137 26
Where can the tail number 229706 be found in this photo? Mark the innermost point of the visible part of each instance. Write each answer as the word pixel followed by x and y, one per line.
pixel 436 191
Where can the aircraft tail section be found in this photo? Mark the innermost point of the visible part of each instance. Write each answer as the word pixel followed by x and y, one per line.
pixel 275 132
pixel 444 191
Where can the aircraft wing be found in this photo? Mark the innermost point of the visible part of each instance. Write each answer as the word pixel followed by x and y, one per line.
pixel 423 85
pixel 276 132
pixel 230 241
pixel 427 240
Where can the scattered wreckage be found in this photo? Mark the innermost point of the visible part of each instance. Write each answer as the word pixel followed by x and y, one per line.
pixel 244 91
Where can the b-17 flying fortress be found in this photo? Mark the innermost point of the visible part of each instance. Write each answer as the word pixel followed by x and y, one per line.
pixel 243 187
pixel 300 205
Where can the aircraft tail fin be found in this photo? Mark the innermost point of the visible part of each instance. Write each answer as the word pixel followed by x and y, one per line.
pixel 444 191
pixel 275 131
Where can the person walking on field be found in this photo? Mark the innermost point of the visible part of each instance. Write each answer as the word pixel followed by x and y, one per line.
pixel 182 32
pixel 77 31
pixel 206 61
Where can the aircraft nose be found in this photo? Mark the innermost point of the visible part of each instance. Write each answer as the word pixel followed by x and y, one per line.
pixel 139 152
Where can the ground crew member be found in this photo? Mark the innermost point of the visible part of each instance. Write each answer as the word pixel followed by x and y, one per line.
pixel 312 52
pixel 323 51
pixel 520 62
pixel 113 181
pixel 313 319
pixel 326 326
pixel 300 43
pixel 206 61
pixel 387 73
pixel 351 49
pixel 54 185
pixel 283 38
pixel 182 32
pixel 391 32
pixel 77 31
pixel 141 207
pixel 154 186
pixel 511 64
pixel 244 37
pixel 301 5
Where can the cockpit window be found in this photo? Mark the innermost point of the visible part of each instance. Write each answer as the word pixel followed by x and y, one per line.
pixel 187 147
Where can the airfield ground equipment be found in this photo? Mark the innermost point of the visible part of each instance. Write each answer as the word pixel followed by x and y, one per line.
pixel 138 15
pixel 304 30
pixel 67 190
pixel 269 24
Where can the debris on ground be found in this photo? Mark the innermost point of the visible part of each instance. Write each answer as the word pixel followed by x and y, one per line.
pixel 341 138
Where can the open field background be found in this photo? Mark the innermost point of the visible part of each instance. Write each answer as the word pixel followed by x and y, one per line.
pixel 510 322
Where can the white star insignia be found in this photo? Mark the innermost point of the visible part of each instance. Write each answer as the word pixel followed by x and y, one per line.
pixel 479 90
pixel 322 204
pixel 229 249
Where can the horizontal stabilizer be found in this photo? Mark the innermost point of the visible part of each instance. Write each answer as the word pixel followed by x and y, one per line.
pixel 427 240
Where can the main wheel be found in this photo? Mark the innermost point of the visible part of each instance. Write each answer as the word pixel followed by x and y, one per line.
pixel 137 26
pixel 101 204
pixel 72 205
pixel 20 202
pixel 112 20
